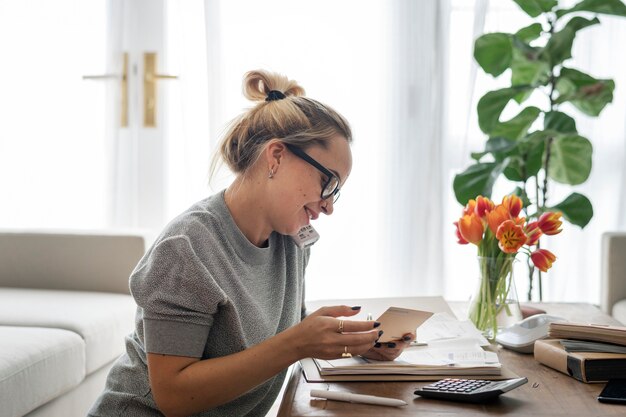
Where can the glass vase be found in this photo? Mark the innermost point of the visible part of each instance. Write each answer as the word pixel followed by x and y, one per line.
pixel 495 305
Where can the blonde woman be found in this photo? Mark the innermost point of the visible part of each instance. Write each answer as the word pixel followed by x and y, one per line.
pixel 220 293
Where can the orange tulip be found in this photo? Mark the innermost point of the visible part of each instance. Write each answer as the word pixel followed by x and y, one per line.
pixel 471 228
pixel 543 259
pixel 483 204
pixel 496 217
pixel 510 237
pixel 458 235
pixel 533 232
pixel 469 207
pixel 513 204
pixel 549 223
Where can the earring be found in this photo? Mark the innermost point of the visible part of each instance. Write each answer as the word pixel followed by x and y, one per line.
pixel 271 174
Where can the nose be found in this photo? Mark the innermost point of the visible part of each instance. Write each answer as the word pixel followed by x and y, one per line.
pixel 326 206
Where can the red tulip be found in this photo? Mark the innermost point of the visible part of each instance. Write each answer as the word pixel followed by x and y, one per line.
pixel 510 237
pixel 549 223
pixel 483 204
pixel 513 204
pixel 533 232
pixel 543 259
pixel 458 235
pixel 496 217
pixel 469 207
pixel 471 228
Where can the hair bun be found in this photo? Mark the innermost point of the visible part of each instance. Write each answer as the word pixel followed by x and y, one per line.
pixel 262 85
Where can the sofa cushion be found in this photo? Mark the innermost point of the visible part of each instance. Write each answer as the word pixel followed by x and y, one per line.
pixel 101 319
pixel 37 365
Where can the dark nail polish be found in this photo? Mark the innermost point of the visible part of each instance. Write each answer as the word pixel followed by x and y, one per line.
pixel 356 308
pixel 380 333
pixel 377 345
pixel 376 324
pixel 406 338
pixel 391 345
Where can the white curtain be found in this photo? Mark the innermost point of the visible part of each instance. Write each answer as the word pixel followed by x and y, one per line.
pixel 415 149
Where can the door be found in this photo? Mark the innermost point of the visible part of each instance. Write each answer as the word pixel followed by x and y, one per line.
pixel 83 113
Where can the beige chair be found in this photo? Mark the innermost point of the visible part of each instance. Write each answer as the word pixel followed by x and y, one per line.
pixel 613 297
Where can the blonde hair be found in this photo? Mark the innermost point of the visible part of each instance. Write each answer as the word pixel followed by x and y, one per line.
pixel 294 119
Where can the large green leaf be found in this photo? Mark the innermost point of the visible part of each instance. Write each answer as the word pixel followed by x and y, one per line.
pixel 490 106
pixel 559 46
pixel 570 160
pixel 528 159
pixel 587 94
pixel 518 126
pixel 576 209
pixel 476 180
pixel 493 52
pixel 535 7
pixel 529 33
pixel 527 68
pixel 612 7
pixel 561 122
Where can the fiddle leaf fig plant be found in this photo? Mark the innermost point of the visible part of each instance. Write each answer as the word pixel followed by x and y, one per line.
pixel 541 143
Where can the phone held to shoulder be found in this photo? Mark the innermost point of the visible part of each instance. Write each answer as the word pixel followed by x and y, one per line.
pixel 306 237
pixel 614 392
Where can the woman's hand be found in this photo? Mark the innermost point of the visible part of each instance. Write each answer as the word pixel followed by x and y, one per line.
pixel 389 351
pixel 322 335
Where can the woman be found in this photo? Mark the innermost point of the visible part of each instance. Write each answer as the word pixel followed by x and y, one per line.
pixel 220 293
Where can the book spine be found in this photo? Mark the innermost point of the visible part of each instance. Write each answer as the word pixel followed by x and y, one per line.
pixel 549 353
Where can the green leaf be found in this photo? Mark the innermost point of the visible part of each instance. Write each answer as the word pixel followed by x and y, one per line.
pixel 527 68
pixel 476 180
pixel 490 106
pixel 493 52
pixel 528 159
pixel 611 7
pixel 518 126
pixel 535 7
pixel 529 33
pixel 576 209
pixel 570 160
pixel 559 46
pixel 560 122
pixel 587 94
pixel 519 191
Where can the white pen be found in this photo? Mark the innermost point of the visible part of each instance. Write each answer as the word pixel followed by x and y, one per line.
pixel 356 398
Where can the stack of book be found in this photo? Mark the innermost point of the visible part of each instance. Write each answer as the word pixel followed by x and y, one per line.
pixel 587 352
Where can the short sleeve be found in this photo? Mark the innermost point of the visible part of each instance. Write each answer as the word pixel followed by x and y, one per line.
pixel 179 298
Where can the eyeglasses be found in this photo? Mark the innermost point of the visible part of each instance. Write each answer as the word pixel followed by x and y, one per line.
pixel 331 186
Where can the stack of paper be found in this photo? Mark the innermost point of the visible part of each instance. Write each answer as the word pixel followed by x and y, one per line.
pixel 452 348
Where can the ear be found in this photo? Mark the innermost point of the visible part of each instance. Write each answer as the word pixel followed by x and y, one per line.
pixel 274 153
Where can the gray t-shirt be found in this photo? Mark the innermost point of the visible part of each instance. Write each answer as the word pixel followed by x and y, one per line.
pixel 203 290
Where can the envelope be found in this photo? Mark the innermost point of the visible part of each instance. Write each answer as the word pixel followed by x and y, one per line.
pixel 395 322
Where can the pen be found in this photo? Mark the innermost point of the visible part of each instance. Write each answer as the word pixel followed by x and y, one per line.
pixel 356 398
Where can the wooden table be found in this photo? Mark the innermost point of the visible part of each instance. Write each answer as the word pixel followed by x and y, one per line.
pixel 548 392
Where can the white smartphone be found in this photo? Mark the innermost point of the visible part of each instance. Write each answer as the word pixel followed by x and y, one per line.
pixel 306 236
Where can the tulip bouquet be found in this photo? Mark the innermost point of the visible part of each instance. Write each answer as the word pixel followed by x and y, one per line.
pixel 500 234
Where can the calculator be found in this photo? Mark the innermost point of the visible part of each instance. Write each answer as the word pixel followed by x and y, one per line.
pixel 468 390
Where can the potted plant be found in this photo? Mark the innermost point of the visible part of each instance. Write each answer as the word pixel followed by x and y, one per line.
pixel 540 144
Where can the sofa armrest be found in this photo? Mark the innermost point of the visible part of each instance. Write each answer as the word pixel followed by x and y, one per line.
pixel 69 260
pixel 613 270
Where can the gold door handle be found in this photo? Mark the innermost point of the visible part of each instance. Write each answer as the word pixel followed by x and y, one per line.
pixel 124 86
pixel 150 77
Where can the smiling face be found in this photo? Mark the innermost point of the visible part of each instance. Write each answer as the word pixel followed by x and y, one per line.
pixel 297 185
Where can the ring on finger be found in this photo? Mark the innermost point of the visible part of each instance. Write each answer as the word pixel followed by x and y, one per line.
pixel 340 326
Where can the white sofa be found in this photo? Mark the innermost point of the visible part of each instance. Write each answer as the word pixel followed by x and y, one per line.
pixel 613 298
pixel 65 309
